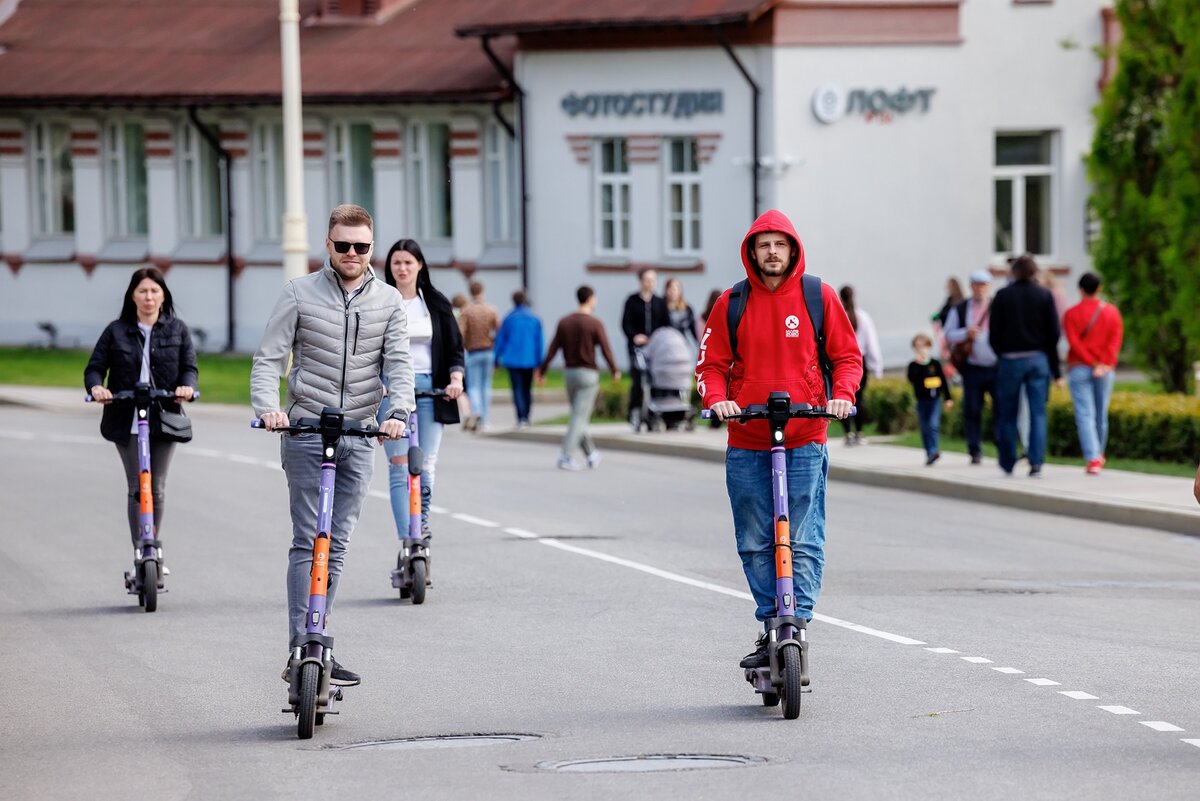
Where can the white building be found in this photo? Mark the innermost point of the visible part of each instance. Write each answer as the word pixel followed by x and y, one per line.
pixel 908 141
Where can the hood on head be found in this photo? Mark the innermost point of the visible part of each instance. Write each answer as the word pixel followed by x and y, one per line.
pixel 773 220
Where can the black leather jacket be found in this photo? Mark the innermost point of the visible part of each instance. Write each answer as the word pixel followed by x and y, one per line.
pixel 118 356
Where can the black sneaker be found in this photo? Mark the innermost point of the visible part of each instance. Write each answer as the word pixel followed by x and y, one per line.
pixel 342 677
pixel 757 658
pixel 976 458
pixel 1035 471
pixel 931 458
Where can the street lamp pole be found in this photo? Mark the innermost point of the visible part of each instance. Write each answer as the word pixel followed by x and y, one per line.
pixel 295 226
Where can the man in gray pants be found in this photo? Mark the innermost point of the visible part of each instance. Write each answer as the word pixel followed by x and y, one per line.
pixel 343 328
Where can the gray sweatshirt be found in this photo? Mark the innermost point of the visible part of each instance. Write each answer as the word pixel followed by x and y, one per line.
pixel 340 344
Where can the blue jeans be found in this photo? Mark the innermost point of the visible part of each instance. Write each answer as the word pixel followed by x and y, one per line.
pixel 1090 396
pixel 1033 374
pixel 430 433
pixel 929 413
pixel 521 379
pixel 748 481
pixel 480 364
pixel 977 381
pixel 301 459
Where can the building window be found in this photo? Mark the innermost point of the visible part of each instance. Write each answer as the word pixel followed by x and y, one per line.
pixel 429 193
pixel 683 197
pixel 503 192
pixel 612 197
pixel 125 179
pixel 54 179
pixel 201 185
pixel 1023 194
pixel 268 180
pixel 352 164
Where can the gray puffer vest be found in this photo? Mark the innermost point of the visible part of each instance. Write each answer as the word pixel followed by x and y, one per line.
pixel 339 346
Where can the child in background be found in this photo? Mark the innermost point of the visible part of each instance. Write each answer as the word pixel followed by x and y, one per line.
pixel 930 387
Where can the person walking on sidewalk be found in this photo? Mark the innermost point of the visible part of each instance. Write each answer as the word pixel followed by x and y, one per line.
pixel 342 329
pixel 682 317
pixel 1094 330
pixel 645 313
pixel 930 387
pixel 437 357
pixel 578 335
pixel 1024 334
pixel 872 357
pixel 967 326
pixel 479 322
pixel 777 352
pixel 519 348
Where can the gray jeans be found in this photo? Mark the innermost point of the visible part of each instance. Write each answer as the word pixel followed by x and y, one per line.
pixel 160 463
pixel 582 384
pixel 301 459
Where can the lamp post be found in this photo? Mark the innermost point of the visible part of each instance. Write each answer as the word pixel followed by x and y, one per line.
pixel 295 226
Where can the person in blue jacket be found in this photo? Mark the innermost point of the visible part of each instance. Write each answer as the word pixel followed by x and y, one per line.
pixel 519 347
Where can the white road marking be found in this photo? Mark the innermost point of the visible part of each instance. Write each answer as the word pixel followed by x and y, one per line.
pixel 1191 742
pixel 522 533
pixel 20 435
pixel 478 521
pixel 1078 695
pixel 209 452
pixel 942 651
pixel 437 510
pixel 1119 710
pixel 1013 671
pixel 58 439
pixel 1044 682
pixel 883 635
pixel 237 457
pixel 1161 725
pixel 976 660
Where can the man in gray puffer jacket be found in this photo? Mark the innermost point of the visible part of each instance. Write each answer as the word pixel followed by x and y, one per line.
pixel 343 328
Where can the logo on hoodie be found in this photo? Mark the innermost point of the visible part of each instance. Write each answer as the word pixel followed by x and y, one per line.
pixel 792 323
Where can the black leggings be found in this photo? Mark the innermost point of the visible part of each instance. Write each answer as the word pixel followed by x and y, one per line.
pixel 860 415
pixel 160 463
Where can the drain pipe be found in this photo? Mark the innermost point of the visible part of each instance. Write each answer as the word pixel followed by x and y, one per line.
pixel 227 160
pixel 519 93
pixel 756 100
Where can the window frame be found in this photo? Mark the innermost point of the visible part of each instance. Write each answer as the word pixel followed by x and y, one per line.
pixel 502 221
pixel 340 147
pixel 687 180
pixel 266 149
pixel 421 189
pixel 194 154
pixel 1018 174
pixel 115 169
pixel 622 200
pixel 46 202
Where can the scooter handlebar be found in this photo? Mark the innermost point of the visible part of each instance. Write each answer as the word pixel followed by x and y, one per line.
pixel 311 425
pixel 798 411
pixel 155 394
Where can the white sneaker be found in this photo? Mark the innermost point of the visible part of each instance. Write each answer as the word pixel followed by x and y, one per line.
pixel 593 459
pixel 565 463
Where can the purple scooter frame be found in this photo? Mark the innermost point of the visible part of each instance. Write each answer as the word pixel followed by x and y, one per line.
pixel 146 579
pixel 786 676
pixel 411 576
pixel 311 693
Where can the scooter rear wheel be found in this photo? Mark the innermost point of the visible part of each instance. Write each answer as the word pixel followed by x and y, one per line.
pixel 418 581
pixel 306 708
pixel 790 691
pixel 149 579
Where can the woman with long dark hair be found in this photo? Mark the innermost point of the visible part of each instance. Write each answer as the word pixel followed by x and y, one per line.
pixel 437 353
pixel 868 343
pixel 146 344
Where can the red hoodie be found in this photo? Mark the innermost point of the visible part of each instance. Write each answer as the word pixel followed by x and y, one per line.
pixel 776 353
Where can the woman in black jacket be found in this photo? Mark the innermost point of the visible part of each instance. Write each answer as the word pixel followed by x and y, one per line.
pixel 147 343
pixel 437 352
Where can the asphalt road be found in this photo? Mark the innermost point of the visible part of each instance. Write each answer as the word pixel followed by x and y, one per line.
pixel 602 611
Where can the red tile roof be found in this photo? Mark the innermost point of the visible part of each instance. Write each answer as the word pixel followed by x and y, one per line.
pixel 173 52
pixel 537 16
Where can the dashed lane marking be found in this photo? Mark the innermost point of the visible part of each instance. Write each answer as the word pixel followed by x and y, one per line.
pixel 1191 742
pixel 942 651
pixel 1119 710
pixel 976 660
pixel 1010 670
pixel 1045 682
pixel 1079 695
pixel 1161 725
pixel 476 521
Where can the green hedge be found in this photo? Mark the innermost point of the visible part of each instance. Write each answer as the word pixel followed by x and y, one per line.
pixel 1164 428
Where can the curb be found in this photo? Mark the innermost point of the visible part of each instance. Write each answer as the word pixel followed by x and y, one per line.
pixel 1125 513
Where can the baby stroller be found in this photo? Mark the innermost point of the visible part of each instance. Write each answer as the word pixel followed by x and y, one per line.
pixel 666 364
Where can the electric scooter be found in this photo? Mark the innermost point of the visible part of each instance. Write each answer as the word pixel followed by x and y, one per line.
pixel 310 694
pixel 411 575
pixel 146 579
pixel 785 678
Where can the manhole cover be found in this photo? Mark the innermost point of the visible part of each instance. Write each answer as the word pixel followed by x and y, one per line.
pixel 648 763
pixel 434 741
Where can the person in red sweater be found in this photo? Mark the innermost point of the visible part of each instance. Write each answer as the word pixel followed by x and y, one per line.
pixel 777 352
pixel 1094 330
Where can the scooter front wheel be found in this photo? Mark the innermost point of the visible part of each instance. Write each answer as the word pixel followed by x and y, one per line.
pixel 306 708
pixel 418 581
pixel 789 656
pixel 149 579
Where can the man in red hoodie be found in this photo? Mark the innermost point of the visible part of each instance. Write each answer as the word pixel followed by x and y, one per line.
pixel 777 352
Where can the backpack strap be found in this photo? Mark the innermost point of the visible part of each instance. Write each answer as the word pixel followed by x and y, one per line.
pixel 815 304
pixel 738 296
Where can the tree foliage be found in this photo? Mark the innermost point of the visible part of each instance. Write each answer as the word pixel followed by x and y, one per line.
pixel 1145 172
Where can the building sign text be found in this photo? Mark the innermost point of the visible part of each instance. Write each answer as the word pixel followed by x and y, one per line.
pixel 637 104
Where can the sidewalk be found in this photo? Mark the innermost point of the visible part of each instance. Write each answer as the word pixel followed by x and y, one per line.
pixel 1115 496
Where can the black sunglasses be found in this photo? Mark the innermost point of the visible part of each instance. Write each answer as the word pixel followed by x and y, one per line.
pixel 360 248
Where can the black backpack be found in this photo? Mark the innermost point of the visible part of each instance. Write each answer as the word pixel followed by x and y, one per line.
pixel 811 286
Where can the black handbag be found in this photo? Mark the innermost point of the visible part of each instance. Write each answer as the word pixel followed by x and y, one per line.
pixel 170 426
